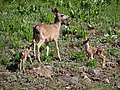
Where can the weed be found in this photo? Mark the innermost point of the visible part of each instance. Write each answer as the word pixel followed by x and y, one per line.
pixel 112 51
pixel 47 59
pixel 79 55
pixel 91 63
pixel 4 60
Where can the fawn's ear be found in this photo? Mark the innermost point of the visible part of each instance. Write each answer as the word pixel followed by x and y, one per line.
pixel 54 10
pixel 88 39
pixel 84 42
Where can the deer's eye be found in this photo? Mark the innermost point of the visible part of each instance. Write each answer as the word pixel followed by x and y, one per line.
pixel 62 15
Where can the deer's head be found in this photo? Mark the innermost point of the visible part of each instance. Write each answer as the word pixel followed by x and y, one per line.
pixel 60 17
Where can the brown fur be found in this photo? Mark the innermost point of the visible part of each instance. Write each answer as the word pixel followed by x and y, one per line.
pixel 23 57
pixel 44 33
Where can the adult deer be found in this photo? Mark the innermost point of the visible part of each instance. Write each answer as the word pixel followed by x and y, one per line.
pixel 45 33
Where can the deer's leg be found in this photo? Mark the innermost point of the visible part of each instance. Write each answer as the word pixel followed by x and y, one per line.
pixel 38 47
pixel 90 56
pixel 42 40
pixel 23 66
pixel 34 43
pixel 56 44
pixel 103 62
pixel 47 49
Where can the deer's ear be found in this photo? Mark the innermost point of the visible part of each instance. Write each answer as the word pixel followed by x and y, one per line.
pixel 54 10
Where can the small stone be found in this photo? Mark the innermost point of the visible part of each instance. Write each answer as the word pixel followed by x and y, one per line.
pixel 69 79
pixel 68 87
pixel 45 71
pixel 87 79
pixel 106 80
pixel 94 71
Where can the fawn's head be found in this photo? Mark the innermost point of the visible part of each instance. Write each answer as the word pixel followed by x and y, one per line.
pixel 60 17
pixel 86 41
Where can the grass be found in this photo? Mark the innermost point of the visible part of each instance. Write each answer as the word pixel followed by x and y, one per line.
pixel 100 86
pixel 18 17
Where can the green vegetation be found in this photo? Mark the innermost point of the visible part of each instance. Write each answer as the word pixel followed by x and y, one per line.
pixel 91 63
pixel 17 18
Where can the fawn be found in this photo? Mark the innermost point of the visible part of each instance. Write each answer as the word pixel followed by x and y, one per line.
pixel 45 33
pixel 24 55
pixel 92 51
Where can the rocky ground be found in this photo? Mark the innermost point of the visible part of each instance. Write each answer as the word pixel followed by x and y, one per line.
pixel 62 76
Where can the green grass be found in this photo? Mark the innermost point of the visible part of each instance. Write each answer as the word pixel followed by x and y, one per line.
pixel 100 86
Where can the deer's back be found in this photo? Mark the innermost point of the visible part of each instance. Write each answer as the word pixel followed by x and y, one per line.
pixel 50 32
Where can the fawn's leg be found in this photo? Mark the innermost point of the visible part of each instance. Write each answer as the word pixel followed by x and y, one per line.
pixel 23 65
pixel 20 66
pixel 91 57
pixel 103 57
pixel 30 58
pixel 34 45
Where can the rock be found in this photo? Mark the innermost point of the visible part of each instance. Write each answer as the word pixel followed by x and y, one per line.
pixel 85 77
pixel 83 74
pixel 106 80
pixel 45 71
pixel 68 79
pixel 67 87
pixel 94 71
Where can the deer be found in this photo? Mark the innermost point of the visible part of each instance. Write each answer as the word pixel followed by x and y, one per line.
pixel 23 57
pixel 92 51
pixel 45 33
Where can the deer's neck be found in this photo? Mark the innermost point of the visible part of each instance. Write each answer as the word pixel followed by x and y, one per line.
pixel 57 23
pixel 87 46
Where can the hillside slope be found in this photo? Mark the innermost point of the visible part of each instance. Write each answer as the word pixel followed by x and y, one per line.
pixel 99 20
